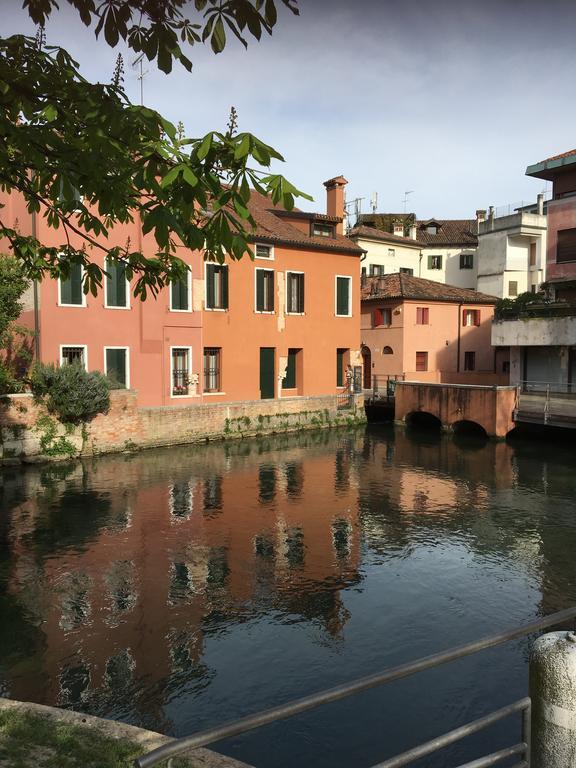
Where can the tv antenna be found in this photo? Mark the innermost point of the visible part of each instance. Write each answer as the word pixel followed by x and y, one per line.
pixel 138 61
pixel 405 201
pixel 374 202
pixel 355 207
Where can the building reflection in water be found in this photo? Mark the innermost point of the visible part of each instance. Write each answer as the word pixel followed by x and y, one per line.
pixel 118 571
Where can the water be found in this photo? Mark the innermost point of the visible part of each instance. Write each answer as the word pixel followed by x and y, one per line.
pixel 181 587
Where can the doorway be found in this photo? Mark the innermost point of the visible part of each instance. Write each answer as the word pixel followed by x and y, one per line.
pixel 267 378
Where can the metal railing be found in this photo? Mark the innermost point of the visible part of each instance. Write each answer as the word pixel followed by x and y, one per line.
pixel 384 387
pixel 545 402
pixel 265 717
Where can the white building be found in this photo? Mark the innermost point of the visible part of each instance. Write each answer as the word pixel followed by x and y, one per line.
pixel 443 250
pixel 511 255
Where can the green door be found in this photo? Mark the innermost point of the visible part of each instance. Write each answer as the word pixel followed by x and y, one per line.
pixel 267 380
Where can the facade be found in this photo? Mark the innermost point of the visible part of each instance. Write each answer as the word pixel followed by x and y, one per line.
pixel 543 340
pixel 511 255
pixel 447 246
pixel 387 253
pixel 421 330
pixel 283 324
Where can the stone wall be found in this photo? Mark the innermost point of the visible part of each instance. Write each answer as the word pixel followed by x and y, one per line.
pixel 29 433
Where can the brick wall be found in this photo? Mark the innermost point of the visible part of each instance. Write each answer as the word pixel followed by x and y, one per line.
pixel 28 431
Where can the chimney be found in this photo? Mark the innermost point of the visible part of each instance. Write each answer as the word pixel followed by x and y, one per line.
pixel 413 232
pixel 540 204
pixel 335 199
pixel 480 217
pixel 398 228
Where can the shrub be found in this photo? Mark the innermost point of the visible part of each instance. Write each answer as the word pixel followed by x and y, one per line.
pixel 71 393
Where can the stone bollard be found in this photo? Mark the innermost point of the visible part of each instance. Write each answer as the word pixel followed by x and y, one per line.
pixel 553 694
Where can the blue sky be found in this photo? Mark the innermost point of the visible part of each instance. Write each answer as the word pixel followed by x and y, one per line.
pixel 449 99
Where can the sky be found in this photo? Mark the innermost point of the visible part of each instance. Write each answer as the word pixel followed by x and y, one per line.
pixel 450 99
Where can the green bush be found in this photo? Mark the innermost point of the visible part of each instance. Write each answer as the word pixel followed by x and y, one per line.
pixel 72 393
pixel 8 384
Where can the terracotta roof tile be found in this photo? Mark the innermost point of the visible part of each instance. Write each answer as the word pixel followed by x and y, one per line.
pixel 559 157
pixel 450 232
pixel 272 226
pixel 402 286
pixel 378 234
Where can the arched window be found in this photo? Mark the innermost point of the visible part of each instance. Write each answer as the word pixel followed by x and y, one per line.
pixel 387 351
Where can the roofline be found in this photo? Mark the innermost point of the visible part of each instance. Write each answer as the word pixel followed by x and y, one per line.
pixel 303 246
pixel 395 239
pixel 445 300
pixel 548 169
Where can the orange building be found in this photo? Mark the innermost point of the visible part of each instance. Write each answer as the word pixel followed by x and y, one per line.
pixel 426 331
pixel 283 324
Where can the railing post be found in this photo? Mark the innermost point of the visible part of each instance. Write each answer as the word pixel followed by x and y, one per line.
pixel 553 694
pixel 547 404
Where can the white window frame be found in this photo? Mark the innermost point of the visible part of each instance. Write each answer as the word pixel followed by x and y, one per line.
pixel 264 258
pixel 62 304
pixel 127 350
pixel 77 346
pixel 391 253
pixel 189 292
pixel 108 306
pixel 180 346
pixel 294 272
pixel 264 311
pixel 206 307
pixel 349 278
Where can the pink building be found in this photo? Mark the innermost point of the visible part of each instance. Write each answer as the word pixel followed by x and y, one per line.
pixel 285 324
pixel 422 330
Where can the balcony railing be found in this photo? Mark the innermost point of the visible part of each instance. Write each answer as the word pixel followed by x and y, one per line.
pixel 536 309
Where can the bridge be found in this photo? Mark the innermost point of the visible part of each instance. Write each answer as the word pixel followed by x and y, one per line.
pixel 455 407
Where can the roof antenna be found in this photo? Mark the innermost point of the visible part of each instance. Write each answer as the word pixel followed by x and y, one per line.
pixel 374 202
pixel 138 61
pixel 405 201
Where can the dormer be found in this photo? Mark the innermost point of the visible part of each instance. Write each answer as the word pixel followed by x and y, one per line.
pixel 431 227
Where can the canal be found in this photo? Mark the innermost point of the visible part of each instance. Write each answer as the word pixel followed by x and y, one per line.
pixel 178 588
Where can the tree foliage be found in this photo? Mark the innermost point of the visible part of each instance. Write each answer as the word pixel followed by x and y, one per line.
pixel 86 159
pixel 14 340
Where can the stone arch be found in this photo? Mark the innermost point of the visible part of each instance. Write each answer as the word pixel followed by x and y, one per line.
pixel 469 427
pixel 423 420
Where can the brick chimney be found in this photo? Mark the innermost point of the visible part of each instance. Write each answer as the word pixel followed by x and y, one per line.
pixel 480 217
pixel 335 199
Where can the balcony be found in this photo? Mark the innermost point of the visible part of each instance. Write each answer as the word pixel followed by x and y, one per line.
pixel 536 324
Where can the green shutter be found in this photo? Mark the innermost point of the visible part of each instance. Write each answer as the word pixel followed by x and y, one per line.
pixel 267 378
pixel 342 296
pixel 180 295
pixel 301 293
pixel 429 261
pixel 289 380
pixel 71 289
pixel 269 282
pixel 259 290
pixel 116 365
pixel 116 284
pixel 339 367
pixel 224 287
pixel 210 272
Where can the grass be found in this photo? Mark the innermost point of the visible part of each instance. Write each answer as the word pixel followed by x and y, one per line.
pixel 31 741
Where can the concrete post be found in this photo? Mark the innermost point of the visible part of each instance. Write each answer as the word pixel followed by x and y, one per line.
pixel 553 693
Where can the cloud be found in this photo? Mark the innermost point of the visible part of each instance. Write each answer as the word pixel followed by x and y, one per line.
pixel 450 99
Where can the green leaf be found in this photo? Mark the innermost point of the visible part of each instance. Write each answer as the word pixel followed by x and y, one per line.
pixel 189 176
pixel 204 147
pixel 218 39
pixel 171 176
pixel 50 113
pixel 243 148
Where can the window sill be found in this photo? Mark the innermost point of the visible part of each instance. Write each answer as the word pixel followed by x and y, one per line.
pixel 184 311
pixel 264 312
pixel 74 306
pixel 216 309
pixel 342 315
pixel 183 397
pixel 296 314
pixel 211 394
pixel 107 306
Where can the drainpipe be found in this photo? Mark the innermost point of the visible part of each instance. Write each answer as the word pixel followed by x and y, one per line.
pixel 35 295
pixel 459 330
